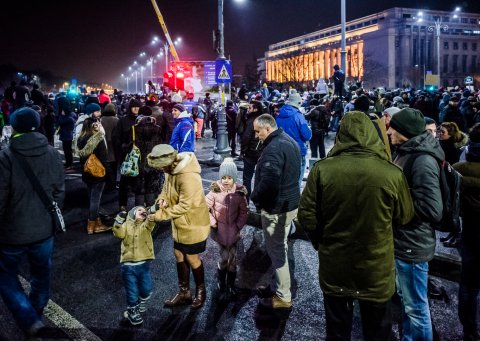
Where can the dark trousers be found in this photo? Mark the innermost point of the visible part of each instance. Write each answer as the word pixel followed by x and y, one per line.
pixel 127 184
pixel 376 318
pixel 232 142
pixel 248 171
pixel 67 151
pixel 317 145
pixel 469 279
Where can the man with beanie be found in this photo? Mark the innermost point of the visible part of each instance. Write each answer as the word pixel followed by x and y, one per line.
pixel 122 138
pixel 276 194
pixel 338 80
pixel 294 124
pixel 419 154
pixel 183 135
pixel 21 235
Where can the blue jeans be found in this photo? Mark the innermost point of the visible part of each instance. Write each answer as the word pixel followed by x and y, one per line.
pixel 95 197
pixel 411 283
pixel 138 282
pixel 302 171
pixel 26 310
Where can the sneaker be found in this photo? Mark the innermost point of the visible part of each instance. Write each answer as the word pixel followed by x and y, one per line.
pixel 275 303
pixel 133 315
pixel 142 303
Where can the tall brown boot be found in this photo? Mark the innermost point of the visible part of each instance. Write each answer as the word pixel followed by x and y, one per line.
pixel 183 296
pixel 200 292
pixel 91 226
pixel 99 227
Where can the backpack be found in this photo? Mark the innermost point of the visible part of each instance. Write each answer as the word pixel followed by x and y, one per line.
pixel 450 181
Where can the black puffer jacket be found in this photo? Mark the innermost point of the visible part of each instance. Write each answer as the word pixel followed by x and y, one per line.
pixel 318 119
pixel 23 216
pixel 415 242
pixel 251 146
pixel 277 173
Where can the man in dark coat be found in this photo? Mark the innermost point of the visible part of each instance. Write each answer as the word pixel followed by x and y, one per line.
pixel 231 116
pixel 352 202
pixel 277 195
pixel 415 241
pixel 22 236
pixel 251 146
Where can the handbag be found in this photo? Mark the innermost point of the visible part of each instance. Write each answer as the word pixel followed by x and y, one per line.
pixel 130 166
pixel 94 167
pixel 51 205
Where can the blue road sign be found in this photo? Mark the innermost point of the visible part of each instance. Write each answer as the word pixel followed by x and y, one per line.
pixel 223 71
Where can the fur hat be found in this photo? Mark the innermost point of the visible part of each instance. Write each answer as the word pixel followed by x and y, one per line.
pixel 25 120
pixel 133 212
pixel 91 108
pixel 408 122
pixel 228 168
pixel 179 107
pixel 161 156
pixel 294 99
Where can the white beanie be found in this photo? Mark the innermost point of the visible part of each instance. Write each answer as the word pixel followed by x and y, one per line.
pixel 228 168
pixel 294 99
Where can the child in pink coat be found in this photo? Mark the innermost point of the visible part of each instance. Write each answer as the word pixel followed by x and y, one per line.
pixel 227 204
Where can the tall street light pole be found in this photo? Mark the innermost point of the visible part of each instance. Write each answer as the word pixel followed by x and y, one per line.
pixel 343 52
pixel 437 29
pixel 221 149
pixel 141 75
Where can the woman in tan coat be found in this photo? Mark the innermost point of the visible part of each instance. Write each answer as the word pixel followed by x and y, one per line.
pixel 182 200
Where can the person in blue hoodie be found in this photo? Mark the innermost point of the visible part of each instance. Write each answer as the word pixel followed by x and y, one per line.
pixel 183 135
pixel 292 121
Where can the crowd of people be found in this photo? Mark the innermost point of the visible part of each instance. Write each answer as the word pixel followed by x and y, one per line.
pixel 146 146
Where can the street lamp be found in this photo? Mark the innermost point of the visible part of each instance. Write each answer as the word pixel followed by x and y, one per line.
pixel 437 29
pixel 141 74
pixel 221 148
pixel 343 52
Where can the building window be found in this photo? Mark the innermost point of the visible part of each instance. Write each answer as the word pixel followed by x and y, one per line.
pixel 464 63
pixel 455 46
pixel 464 20
pixel 446 19
pixel 455 63
pixel 445 63
pixel 464 46
pixel 406 16
pixel 445 45
pixel 474 64
pixel 474 46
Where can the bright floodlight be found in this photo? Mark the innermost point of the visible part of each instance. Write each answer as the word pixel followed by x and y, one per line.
pixel 420 14
pixel 457 9
pixel 134 62
pixel 130 68
pixel 420 20
pixel 455 16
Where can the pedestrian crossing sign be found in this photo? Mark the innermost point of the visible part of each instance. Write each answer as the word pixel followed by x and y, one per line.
pixel 223 71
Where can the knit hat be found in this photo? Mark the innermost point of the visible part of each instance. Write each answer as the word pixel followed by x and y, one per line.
pixel 161 156
pixel 294 99
pixel 179 107
pixel 391 111
pixel 109 110
pixel 408 122
pixel 145 111
pixel 132 213
pixel 228 168
pixel 91 108
pixel 362 103
pixel 25 120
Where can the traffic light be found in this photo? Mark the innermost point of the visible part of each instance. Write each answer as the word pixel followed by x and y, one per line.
pixel 168 80
pixel 180 84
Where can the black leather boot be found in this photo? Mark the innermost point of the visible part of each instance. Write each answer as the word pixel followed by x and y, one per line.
pixel 183 296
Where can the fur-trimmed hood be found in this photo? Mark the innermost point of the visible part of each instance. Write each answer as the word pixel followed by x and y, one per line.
pixel 217 187
pixel 463 142
pixel 92 143
pixel 186 162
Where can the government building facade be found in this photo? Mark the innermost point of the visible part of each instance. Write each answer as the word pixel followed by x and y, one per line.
pixel 391 49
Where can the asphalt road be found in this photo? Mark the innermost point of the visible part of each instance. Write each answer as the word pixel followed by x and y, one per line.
pixel 88 298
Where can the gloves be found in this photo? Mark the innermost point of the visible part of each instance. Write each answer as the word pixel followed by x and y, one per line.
pixel 154 208
pixel 120 218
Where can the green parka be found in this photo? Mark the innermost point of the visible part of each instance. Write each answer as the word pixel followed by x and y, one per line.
pixel 351 202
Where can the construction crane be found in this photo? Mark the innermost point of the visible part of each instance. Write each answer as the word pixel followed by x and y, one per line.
pixel 173 51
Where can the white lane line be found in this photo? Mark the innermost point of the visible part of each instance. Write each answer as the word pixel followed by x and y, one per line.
pixel 63 320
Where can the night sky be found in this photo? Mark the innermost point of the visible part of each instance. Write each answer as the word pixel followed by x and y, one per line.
pixel 96 41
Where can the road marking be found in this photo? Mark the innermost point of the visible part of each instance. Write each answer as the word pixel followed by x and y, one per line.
pixel 63 320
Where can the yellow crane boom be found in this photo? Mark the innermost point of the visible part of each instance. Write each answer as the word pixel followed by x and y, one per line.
pixel 173 51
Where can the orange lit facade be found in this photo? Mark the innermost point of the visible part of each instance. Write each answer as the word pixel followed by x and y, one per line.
pixel 390 48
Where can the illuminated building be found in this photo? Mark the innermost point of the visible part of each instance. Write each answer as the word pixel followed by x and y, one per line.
pixel 390 48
